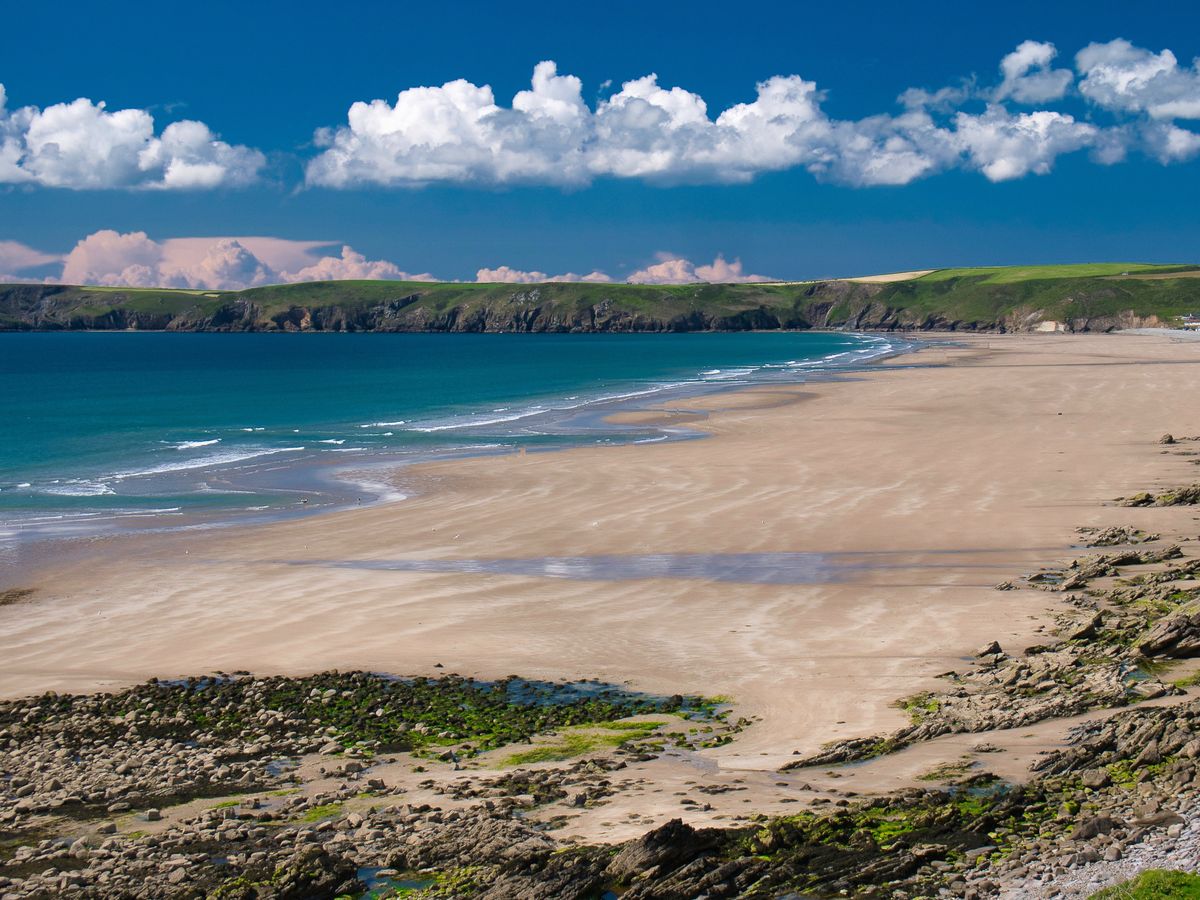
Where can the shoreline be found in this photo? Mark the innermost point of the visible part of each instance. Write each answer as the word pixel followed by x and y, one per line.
pixel 166 576
pixel 887 606
pixel 322 484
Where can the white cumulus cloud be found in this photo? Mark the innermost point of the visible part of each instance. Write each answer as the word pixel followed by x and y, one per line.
pixel 82 145
pixel 1168 143
pixel 1004 146
pixel 677 270
pixel 460 133
pixel 1119 76
pixel 457 133
pixel 1028 77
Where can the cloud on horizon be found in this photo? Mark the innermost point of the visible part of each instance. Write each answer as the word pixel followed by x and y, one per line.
pixel 458 133
pixel 677 270
pixel 15 257
pixel 507 275
pixel 110 258
pixel 133 259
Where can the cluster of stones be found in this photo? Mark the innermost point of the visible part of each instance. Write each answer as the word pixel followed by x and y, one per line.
pixel 584 783
pixel 1129 780
pixel 1125 781
pixel 79 764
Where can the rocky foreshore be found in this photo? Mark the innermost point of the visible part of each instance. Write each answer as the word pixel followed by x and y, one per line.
pixel 1127 785
pixel 360 784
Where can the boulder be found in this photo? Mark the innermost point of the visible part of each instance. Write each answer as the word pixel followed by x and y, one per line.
pixel 1092 827
pixel 314 872
pixel 1177 636
pixel 1087 630
pixel 664 849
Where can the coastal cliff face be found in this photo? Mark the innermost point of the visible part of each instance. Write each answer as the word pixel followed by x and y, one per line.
pixel 1064 305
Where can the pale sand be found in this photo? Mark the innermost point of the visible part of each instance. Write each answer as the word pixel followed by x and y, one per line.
pixel 960 474
pixel 890 277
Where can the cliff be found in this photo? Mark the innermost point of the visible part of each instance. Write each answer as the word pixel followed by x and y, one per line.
pixel 945 301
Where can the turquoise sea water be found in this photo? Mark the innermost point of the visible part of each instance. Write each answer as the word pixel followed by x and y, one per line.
pixel 106 430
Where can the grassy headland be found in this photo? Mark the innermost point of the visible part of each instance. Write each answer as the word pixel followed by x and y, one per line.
pixel 1089 297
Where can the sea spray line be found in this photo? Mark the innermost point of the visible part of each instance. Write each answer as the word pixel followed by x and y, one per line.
pixel 478 420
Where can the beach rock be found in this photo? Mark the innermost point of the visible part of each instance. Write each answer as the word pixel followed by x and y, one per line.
pixel 1092 827
pixel 1143 499
pixel 1176 637
pixel 989 649
pixel 664 849
pixel 1167 439
pixel 1183 496
pixel 1117 536
pixel 1096 778
pixel 314 872
pixel 1088 629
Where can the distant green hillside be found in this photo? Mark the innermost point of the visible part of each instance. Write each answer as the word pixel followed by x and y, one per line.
pixel 1091 297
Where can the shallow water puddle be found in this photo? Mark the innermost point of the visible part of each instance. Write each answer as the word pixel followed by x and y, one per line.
pixel 747 568
pixel 743 568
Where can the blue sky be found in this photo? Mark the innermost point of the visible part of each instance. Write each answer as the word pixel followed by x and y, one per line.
pixel 264 77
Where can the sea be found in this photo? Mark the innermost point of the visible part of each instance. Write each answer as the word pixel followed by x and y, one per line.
pixel 111 431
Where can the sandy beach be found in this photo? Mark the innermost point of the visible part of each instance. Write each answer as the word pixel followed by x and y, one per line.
pixel 920 485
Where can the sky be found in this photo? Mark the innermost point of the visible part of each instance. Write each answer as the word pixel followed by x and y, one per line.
pixel 224 145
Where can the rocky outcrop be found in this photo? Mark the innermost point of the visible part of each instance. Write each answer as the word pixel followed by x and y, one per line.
pixel 662 850
pixel 1184 496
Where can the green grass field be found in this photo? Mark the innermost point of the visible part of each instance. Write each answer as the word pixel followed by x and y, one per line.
pixel 1014 274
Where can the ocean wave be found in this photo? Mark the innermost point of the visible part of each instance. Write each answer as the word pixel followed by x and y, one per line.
pixel 192 445
pixel 729 374
pixel 77 488
pixel 875 346
pixel 479 420
pixel 332 441
pixel 204 462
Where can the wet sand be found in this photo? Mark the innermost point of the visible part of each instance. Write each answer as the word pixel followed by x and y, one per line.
pixel 957 467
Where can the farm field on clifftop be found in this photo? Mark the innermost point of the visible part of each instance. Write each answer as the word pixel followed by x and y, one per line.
pixel 1013 274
